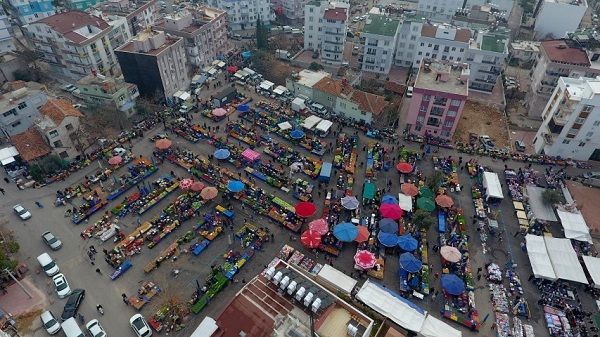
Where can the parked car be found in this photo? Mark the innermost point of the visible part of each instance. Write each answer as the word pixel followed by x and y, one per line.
pixel 589 175
pixel 49 322
pixel 73 303
pixel 70 88
pixel 22 212
pixel 486 141
pixel 139 326
pixel 520 145
pixel 95 329
pixel 409 91
pixel 52 241
pixel 62 286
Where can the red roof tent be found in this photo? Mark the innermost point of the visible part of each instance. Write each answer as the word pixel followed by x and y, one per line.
pixel 560 51
pixel 336 14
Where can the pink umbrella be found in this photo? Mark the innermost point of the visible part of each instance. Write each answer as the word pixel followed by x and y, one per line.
pixel 209 193
pixel 310 239
pixel 197 186
pixel 392 211
pixel 219 112
pixel 320 226
pixel 364 259
pixel 163 144
pixel 403 167
pixel 115 160
pixel 185 184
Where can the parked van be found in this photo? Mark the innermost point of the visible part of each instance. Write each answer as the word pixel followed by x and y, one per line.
pixel 593 182
pixel 49 266
pixel 71 328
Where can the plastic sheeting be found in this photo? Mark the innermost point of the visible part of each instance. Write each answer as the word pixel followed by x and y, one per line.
pixel 575 226
pixel 564 260
pixel 336 279
pixel 493 189
pixel 405 202
pixel 207 328
pixel 434 327
pixel 592 264
pixel 538 257
pixel 310 122
pixel 324 125
pixel 541 210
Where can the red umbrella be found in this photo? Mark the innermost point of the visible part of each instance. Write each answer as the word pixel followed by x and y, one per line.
pixel 115 160
pixel 310 239
pixel 163 144
pixel 185 184
pixel 409 189
pixel 320 226
pixel 232 69
pixel 392 211
pixel 403 167
pixel 444 201
pixel 305 209
pixel 363 234
pixel 209 193
pixel 197 186
pixel 364 259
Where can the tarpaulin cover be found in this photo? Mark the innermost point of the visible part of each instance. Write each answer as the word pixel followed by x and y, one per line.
pixel 324 125
pixel 592 264
pixel 250 155
pixel 539 258
pixel 541 210
pixel 207 328
pixel 235 186
pixel 337 279
pixel 405 202
pixel 493 188
pixel 284 126
pixel 564 260
pixel 369 190
pixel 434 327
pixel 575 226
pixel 311 121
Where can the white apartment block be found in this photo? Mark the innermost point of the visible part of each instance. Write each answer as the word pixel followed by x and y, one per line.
pixel 242 14
pixel 325 27
pixel 29 11
pixel 486 57
pixel 140 14
pixel 445 9
pixel 442 42
pixel 409 33
pixel 76 44
pixel 571 127
pixel 294 10
pixel 19 109
pixel 380 33
pixel 7 44
pixel 556 18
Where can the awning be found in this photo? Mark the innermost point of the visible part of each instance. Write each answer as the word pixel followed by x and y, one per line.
pixel 405 202
pixel 185 96
pixel 280 90
pixel 592 264
pixel 433 327
pixel 207 328
pixel 337 279
pixel 284 126
pixel 249 71
pixel 212 71
pixel 324 125
pixel 7 161
pixel 564 260
pixel 369 190
pixel 575 226
pixel 177 93
pixel 250 155
pixel 539 258
pixel 241 74
pixel 540 209
pixel 493 189
pixel 266 85
pixel 221 64
pixel 311 121
pixel 7 155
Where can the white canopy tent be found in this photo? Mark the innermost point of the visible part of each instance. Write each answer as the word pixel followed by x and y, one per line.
pixel 405 202
pixel 493 189
pixel 8 154
pixel 434 327
pixel 592 264
pixel 284 126
pixel 324 125
pixel 564 260
pixel 240 74
pixel 280 90
pixel 575 226
pixel 207 328
pixel 538 257
pixel 310 122
pixel 336 279
pixel 266 85
pixel 212 71
pixel 249 71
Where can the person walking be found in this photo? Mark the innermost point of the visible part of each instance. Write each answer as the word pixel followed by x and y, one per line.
pixel 2 190
pixel 125 300
pixel 98 271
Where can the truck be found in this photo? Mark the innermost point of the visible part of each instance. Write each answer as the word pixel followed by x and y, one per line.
pixel 325 174
pixel 282 54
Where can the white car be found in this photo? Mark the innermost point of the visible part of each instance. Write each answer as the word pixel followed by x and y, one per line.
pixel 71 88
pixel 62 286
pixel 409 91
pixel 95 329
pixel 49 322
pixel 139 326
pixel 22 212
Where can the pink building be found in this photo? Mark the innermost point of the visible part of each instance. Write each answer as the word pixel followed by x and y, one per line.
pixel 439 96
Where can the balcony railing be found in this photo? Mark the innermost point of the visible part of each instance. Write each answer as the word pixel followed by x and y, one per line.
pixel 331 51
pixel 548 138
pixel 488 62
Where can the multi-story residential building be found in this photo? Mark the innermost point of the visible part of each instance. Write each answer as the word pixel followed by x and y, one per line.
pixel 81 4
pixel 140 14
pixel 408 40
pixel 555 18
pixel 243 14
pixel 325 27
pixel 486 57
pixel 440 92
pixel 76 44
pixel 29 11
pixel 380 33
pixel 558 58
pixel 60 126
pixel 293 10
pixel 98 90
pixel 302 83
pixel 571 127
pixel 156 63
pixel 446 9
pixel 442 42
pixel 7 44
pixel 20 108
pixel 524 51
pixel 204 30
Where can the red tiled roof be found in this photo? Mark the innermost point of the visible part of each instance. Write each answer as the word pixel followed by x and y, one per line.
pixel 332 87
pixel 67 23
pixel 337 14
pixel 369 102
pixel 394 87
pixel 462 34
pixel 58 109
pixel 30 144
pixel 559 51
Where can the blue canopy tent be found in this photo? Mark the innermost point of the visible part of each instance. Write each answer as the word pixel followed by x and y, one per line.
pixel 243 108
pixel 297 134
pixel 452 284
pixel 410 263
pixel 389 199
pixel 246 54
pixel 407 243
pixel 345 232
pixel 350 202
pixel 235 186
pixel 388 226
pixel 441 222
pixel 387 239
pixel 222 154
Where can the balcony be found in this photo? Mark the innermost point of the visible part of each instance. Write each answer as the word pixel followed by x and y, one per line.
pixel 488 62
pixel 548 138
pixel 372 44
pixel 369 62
pixel 339 43
pixel 492 70
pixel 555 125
pixel 328 32
pixel 332 51
pixel 372 52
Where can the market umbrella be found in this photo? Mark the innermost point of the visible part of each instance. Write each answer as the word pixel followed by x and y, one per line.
pixel 185 184
pixel 319 225
pixel 453 284
pixel 450 254
pixel 403 167
pixel 392 211
pixel 425 204
pixel 219 112
pixel 409 189
pixel 388 225
pixel 387 239
pixel 364 259
pixel 115 160
pixel 443 200
pixel 305 209
pixel 425 192
pixel 345 232
pixel 232 69
pixel 235 186
pixel 389 199
pixel 407 243
pixel 310 239
pixel 363 234
pixel 243 108
pixel 222 154
pixel 350 202
pixel 410 263
pixel 163 144
pixel 209 193
pixel 197 186
pixel 297 134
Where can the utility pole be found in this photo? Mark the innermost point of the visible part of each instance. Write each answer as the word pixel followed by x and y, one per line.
pixel 18 282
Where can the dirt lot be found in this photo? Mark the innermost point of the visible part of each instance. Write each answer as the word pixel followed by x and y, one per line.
pixel 482 120
pixel 273 69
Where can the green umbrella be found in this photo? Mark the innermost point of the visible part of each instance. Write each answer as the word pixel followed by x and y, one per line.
pixel 426 204
pixel 425 192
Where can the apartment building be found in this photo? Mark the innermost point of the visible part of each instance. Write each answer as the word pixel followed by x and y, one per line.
pixel 302 83
pixel 559 58
pixel 440 93
pixel 59 125
pixel 7 43
pixel 20 108
pixel 555 18
pixel 29 11
pixel 243 14
pixel 82 5
pixel 156 63
pixel 524 51
pixel 76 44
pixel 139 14
pixel 486 57
pixel 571 127
pixel 293 10
pixel 204 30
pixel 446 9
pixel 380 33
pixel 98 90
pixel 408 40
pixel 325 25
pixel 442 42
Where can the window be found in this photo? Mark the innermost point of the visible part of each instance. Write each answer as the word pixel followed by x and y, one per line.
pixel 22 105
pixel 53 133
pixel 15 124
pixel 589 135
pixel 422 44
pixel 566 141
pixel 449 123
pixel 386 43
pixel 426 98
pixel 432 121
pixel 10 112
pixel 455 102
pixel 423 108
pixel 580 120
pixel 451 113
pixel 420 53
pixel 429 45
pixel 427 54
pixel 458 59
pixel 453 48
pixel 57 143
pixel 69 127
pixel 437 100
pixel 581 144
pixel 436 47
pixel 443 57
pixel 64 154
pixel 462 50
pixel 597 123
pixel 572 132
pixel 413 38
pixel 434 56
pixel 446 49
pixel 437 111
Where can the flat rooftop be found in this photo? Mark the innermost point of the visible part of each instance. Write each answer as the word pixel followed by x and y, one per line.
pixel 587 202
pixel 443 77
pixel 130 48
pixel 381 25
pixel 581 88
pixel 309 78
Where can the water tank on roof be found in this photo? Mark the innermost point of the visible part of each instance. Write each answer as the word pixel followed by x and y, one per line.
pixel 292 287
pixel 269 273
pixel 284 283
pixel 308 299
pixel 316 305
pixel 277 277
pixel 300 294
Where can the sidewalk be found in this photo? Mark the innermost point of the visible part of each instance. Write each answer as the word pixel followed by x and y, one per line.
pixel 16 302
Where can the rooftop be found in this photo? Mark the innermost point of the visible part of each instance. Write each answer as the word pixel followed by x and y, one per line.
pixel 569 2
pixel 368 102
pixel 200 17
pixel 129 9
pixel 12 98
pixel 381 25
pixel 333 87
pixel 57 110
pixel 533 46
pixel 30 144
pixel 586 200
pixel 580 88
pixel 309 78
pixel 143 37
pixel 460 34
pixel 442 76
pixel 76 26
pixel 337 14
pixel 494 42
pixel 562 52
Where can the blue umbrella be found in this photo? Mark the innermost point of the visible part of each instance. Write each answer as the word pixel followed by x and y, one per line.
pixel 235 186
pixel 389 199
pixel 453 284
pixel 388 226
pixel 297 134
pixel 407 243
pixel 350 202
pixel 410 263
pixel 222 154
pixel 387 239
pixel 243 108
pixel 345 232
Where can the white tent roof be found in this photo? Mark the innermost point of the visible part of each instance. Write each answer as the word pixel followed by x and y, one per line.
pixel 593 267
pixel 434 327
pixel 212 71
pixel 492 185
pixel 337 279
pixel 405 202
pixel 279 90
pixel 284 126
pixel 564 260
pixel 324 125
pixel 8 152
pixel 266 85
pixel 249 71
pixel 207 328
pixel 575 226
pixel 185 96
pixel 385 303
pixel 541 210
pixel 310 122
pixel 538 257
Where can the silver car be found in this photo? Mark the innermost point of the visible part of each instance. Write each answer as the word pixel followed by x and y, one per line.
pixel 22 212
pixel 52 241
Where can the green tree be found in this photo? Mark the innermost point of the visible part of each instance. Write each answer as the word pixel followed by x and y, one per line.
pixel 314 66
pixel 262 41
pixel 435 180
pixel 423 219
pixel 551 197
